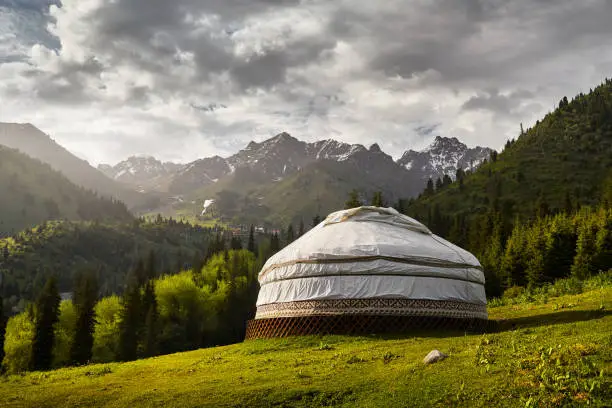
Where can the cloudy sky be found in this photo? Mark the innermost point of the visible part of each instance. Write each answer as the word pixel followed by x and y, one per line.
pixel 184 79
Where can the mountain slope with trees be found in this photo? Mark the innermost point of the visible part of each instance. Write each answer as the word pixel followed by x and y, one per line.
pixel 541 209
pixel 31 193
pixel 33 142
pixel 564 161
pixel 109 251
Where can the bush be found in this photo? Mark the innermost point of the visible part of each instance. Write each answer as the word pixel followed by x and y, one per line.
pixel 513 292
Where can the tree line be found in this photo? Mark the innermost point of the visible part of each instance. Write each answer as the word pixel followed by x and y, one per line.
pixel 205 305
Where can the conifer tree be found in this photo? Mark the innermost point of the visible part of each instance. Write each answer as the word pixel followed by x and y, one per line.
pixel 252 247
pixel 446 180
pixel 274 243
pixel 316 221
pixel 377 199
pixel 569 208
pixel 353 200
pixel 290 234
pixel 439 184
pixel 149 301
pixel 131 318
pixel 429 190
pixel 47 314
pixel 301 229
pixel 85 298
pixel 236 243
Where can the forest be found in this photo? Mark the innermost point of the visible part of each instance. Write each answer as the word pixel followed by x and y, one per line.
pixel 539 210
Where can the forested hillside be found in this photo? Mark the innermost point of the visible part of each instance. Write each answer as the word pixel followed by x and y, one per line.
pixel 109 251
pixel 31 193
pixel 564 160
pixel 36 144
pixel 539 210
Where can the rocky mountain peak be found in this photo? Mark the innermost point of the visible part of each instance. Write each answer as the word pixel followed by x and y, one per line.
pixel 443 157
pixel 375 148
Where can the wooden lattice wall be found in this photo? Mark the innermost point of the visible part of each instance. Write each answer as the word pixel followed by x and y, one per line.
pixel 357 325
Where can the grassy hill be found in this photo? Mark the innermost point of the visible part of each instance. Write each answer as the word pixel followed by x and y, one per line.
pixel 31 193
pixel 64 249
pixel 557 352
pixel 565 157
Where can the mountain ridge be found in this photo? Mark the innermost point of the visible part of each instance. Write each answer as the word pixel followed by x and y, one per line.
pixel 284 154
pixel 33 142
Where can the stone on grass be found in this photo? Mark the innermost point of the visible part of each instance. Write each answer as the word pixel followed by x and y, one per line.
pixel 434 356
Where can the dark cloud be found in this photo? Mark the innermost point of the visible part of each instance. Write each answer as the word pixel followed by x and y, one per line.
pixel 405 70
pixel 27 21
pixel 496 102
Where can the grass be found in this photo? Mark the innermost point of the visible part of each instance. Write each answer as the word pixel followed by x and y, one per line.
pixel 543 355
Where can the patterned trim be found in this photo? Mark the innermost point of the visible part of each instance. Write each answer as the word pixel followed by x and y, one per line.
pixel 377 306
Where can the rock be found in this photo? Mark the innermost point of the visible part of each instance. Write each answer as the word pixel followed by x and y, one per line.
pixel 434 356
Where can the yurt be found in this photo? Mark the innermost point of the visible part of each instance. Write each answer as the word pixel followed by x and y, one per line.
pixel 368 270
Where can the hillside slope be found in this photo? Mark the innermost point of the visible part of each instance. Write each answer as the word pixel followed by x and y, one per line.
pixel 64 249
pixel 36 144
pixel 317 189
pixel 564 158
pixel 555 354
pixel 33 193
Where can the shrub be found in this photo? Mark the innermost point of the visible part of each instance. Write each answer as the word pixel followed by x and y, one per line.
pixel 513 292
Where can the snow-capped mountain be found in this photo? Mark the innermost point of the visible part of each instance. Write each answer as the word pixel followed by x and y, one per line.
pixel 283 155
pixel 142 171
pixel 270 160
pixel 443 157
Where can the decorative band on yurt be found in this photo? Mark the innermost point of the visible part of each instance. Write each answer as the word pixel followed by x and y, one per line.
pixel 395 307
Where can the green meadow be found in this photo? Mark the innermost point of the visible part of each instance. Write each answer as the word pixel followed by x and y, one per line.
pixel 547 353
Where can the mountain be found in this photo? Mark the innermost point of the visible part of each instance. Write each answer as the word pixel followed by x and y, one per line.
pixel 443 157
pixel 36 144
pixel 199 173
pixel 274 192
pixel 32 193
pixel 275 180
pixel 144 172
pixel 271 160
pixel 564 161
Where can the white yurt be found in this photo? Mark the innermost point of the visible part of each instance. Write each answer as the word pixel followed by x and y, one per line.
pixel 367 269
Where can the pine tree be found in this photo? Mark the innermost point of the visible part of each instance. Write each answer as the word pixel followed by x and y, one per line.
pixel 131 319
pixel 274 243
pixel 446 180
pixel 47 314
pixel 290 234
pixel 150 272
pixel 302 229
pixel 316 221
pixel 569 208
pixel 251 245
pixel 353 200
pixel 429 190
pixel 439 184
pixel 149 301
pixel 542 209
pixel 377 199
pixel 85 298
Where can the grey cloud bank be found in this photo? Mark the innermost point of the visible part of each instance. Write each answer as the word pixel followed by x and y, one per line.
pixel 187 79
